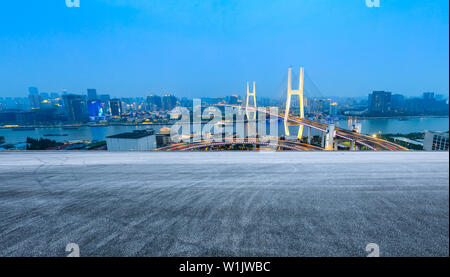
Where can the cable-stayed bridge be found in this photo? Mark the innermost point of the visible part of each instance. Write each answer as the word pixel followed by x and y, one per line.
pixel 331 136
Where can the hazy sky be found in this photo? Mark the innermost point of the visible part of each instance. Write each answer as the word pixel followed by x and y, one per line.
pixel 212 47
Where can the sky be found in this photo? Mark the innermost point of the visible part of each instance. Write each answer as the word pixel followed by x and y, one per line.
pixel 211 48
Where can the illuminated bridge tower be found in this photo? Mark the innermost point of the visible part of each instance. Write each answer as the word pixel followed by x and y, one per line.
pixel 291 92
pixel 253 95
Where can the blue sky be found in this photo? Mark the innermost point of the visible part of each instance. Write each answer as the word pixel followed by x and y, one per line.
pixel 212 47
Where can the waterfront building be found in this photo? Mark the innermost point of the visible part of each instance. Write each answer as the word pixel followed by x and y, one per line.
pixel 398 104
pixel 34 98
pixel 163 137
pixel 116 107
pixel 139 140
pixel 104 98
pixel 75 108
pixel 95 110
pixel 436 141
pixel 380 102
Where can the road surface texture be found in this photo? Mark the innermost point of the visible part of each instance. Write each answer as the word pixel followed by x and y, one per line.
pixel 224 203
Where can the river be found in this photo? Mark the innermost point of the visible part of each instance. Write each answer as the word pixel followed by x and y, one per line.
pixel 369 126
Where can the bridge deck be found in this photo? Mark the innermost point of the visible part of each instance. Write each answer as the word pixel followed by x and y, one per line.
pixel 224 204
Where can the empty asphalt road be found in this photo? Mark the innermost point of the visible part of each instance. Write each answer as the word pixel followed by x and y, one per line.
pixel 224 203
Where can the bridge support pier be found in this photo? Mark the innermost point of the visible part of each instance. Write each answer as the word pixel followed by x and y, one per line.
pixel 323 140
pixel 336 144
pixel 309 135
pixel 329 137
pixel 353 145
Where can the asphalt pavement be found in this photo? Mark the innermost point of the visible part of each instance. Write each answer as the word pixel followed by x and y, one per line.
pixel 224 203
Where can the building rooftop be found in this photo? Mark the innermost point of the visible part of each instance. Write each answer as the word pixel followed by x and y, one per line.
pixel 134 135
pixel 441 133
pixel 225 203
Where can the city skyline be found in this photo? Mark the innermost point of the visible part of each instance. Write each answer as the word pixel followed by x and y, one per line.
pixel 211 49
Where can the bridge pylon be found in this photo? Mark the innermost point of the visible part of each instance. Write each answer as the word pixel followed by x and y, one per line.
pixel 253 95
pixel 291 92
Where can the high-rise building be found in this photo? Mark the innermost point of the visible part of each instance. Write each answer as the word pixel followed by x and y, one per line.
pixel 380 102
pixel 75 108
pixel 104 98
pixel 169 102
pixel 154 103
pixel 334 108
pixel 34 98
pixel 95 110
pixel 398 103
pixel 92 94
pixel 33 90
pixel 436 141
pixel 116 107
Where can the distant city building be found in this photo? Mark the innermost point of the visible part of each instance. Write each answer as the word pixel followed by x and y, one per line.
pixel 116 107
pixel 44 95
pixel 398 104
pixel 436 141
pixel 163 137
pixel 154 103
pixel 9 116
pixel 139 140
pixel 54 95
pixel 104 98
pixel 75 108
pixel 169 102
pixel 33 90
pixel 334 108
pixel 95 110
pixel 380 102
pixel 316 106
pixel 34 98
pixel 92 94
pixel 233 100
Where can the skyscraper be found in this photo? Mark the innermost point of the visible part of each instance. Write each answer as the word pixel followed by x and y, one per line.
pixel 169 102
pixel 104 98
pixel 380 102
pixel 33 90
pixel 95 110
pixel 398 103
pixel 154 103
pixel 92 94
pixel 75 108
pixel 116 107
pixel 34 98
